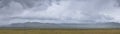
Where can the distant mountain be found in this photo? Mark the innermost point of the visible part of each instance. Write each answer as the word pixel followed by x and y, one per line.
pixel 65 25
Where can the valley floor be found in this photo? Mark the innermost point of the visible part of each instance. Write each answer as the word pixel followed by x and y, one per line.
pixel 59 31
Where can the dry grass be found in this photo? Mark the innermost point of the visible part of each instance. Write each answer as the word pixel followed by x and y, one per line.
pixel 59 31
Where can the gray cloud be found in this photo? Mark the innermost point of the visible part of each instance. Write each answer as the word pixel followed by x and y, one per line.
pixel 74 11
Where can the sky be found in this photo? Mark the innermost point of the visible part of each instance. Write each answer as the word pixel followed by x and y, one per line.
pixel 59 11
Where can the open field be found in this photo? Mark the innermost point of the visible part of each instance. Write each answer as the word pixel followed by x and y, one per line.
pixel 59 31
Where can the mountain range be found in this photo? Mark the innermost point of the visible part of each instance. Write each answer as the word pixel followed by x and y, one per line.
pixel 63 25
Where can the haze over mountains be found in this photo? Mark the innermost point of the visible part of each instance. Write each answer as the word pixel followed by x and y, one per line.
pixel 63 25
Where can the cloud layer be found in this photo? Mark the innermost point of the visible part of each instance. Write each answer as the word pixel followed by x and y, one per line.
pixel 59 11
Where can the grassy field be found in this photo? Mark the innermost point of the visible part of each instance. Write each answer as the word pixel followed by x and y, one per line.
pixel 59 31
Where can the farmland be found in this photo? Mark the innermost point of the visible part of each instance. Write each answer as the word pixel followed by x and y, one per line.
pixel 59 31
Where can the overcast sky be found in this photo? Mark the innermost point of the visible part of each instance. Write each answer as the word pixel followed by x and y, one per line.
pixel 59 11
